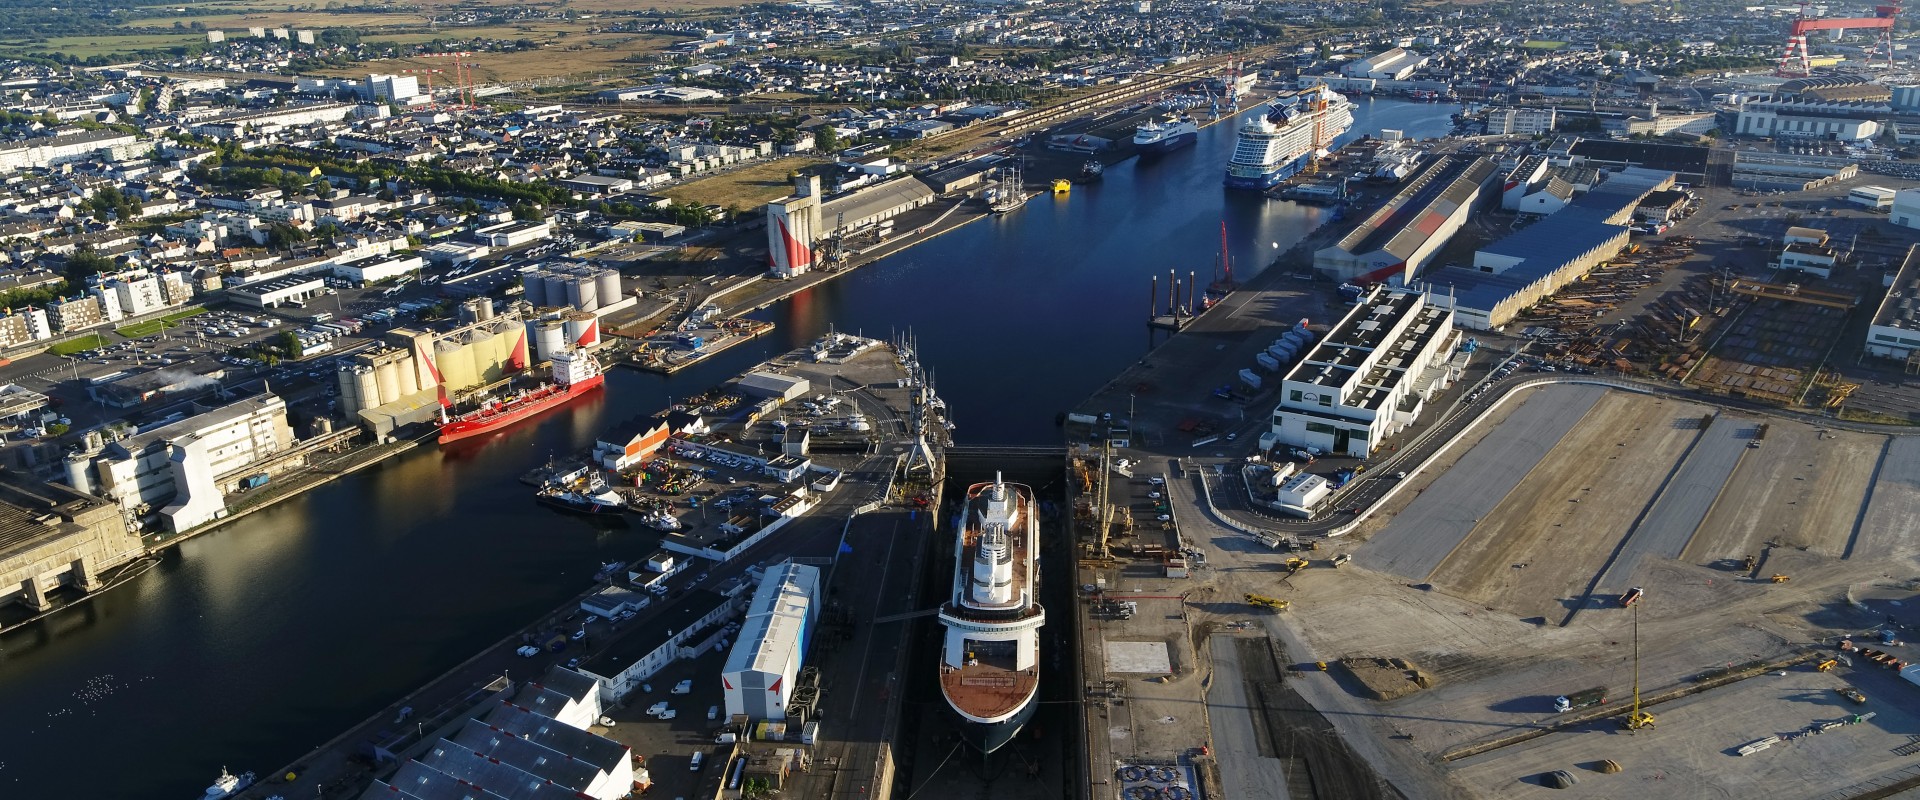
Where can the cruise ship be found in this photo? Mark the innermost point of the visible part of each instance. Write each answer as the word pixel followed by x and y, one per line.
pixel 990 663
pixel 1277 143
pixel 1164 137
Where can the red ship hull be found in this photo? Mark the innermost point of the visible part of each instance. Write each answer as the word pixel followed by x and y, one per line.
pixel 489 420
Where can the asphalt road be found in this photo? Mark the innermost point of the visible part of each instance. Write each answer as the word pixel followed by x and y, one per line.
pixel 1437 521
pixel 1236 746
pixel 1683 503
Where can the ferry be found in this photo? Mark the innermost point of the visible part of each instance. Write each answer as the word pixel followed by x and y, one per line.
pixel 574 374
pixel 1279 142
pixel 990 661
pixel 228 785
pixel 1156 137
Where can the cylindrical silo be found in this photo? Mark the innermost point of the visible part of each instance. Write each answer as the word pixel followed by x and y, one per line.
pixel 549 338
pixel 471 309
pixel 556 289
pixel 583 329
pixel 409 377
pixel 485 309
pixel 610 292
pixel 78 475
pixel 536 286
pixel 387 377
pixel 366 386
pixel 349 391
pixel 583 293
pixel 456 365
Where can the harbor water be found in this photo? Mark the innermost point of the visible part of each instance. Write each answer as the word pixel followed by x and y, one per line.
pixel 251 645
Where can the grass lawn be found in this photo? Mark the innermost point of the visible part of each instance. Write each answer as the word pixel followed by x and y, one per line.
pixel 72 346
pixel 153 326
pixel 748 187
pixel 1543 44
pixel 101 45
pixel 577 56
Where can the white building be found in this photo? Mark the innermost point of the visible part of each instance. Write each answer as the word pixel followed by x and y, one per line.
pixel 137 296
pixel 1872 196
pixel 514 234
pixel 378 268
pixel 1392 65
pixel 1526 121
pixel 391 88
pixel 1906 208
pixel 1301 493
pixel 1813 259
pixel 1895 330
pixel 278 291
pixel 764 664
pixel 185 464
pixel 103 145
pixel 1370 376
pixel 792 222
pixel 1789 117
pixel 683 629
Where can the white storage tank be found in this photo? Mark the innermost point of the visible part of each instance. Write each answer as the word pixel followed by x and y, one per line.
pixel 609 287
pixel 550 336
pixel 349 392
pixel 536 286
pixel 583 293
pixel 556 289
pixel 367 386
pixel 582 328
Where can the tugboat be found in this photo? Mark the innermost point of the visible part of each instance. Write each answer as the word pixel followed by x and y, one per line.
pixel 1092 170
pixel 1062 186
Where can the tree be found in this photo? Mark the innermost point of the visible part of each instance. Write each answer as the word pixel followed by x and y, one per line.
pixel 85 262
pixel 291 343
pixel 826 138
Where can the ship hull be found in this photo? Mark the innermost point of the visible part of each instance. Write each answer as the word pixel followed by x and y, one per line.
pixel 459 429
pixel 1268 180
pixel 1169 144
pixel 987 737
pixel 588 509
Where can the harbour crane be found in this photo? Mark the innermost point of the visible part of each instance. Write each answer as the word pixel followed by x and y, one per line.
pixel 1795 63
pixel 1637 719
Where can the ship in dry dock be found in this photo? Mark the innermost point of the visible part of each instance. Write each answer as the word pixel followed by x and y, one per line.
pixel 990 663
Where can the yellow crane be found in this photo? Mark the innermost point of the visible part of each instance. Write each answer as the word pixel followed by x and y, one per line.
pixel 1270 603
pixel 1637 719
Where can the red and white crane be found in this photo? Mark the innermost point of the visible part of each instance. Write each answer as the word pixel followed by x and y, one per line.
pixel 1794 63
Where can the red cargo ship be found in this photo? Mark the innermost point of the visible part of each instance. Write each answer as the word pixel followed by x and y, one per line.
pixel 574 373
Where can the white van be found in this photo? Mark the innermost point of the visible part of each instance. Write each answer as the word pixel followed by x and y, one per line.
pixel 726 738
pixel 683 687
pixel 699 757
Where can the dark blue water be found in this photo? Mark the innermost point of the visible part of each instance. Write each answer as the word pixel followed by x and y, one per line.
pixel 252 645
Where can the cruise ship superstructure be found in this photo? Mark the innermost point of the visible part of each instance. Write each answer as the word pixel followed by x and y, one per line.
pixel 990 662
pixel 1279 141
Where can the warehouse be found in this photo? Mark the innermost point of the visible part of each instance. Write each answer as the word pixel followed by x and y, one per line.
pixel 513 234
pixel 763 668
pixel 374 269
pixel 53 535
pixel 278 291
pixel 768 384
pixel 870 206
pixel 1520 270
pixel 1400 238
pixel 1895 330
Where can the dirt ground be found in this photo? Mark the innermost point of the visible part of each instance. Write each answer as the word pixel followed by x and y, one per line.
pixel 1805 491
pixel 1554 531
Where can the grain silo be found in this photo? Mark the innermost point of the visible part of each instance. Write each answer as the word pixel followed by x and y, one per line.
pixel 583 293
pixel 367 386
pixel 457 370
pixel 609 287
pixel 386 375
pixel 536 286
pixel 349 391
pixel 582 328
pixel 550 337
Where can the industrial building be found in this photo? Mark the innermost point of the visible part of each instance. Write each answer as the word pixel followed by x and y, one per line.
pixel 636 440
pixel 1895 330
pixel 763 669
pixel 1789 171
pixel 691 626
pixel 1392 65
pixel 532 746
pixel 1396 241
pixel 578 287
pixel 867 207
pixel 53 535
pixel 1518 271
pixel 513 234
pixel 1522 180
pixel 1811 118
pixel 374 269
pixel 181 470
pixel 1905 210
pixel 796 222
pixel 783 388
pixel 1370 376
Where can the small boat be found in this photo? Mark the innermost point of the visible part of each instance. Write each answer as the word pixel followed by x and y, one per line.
pixel 1062 186
pixel 1092 170
pixel 228 785
pixel 593 498
pixel 661 519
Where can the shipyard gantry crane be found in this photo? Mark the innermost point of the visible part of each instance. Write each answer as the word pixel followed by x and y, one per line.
pixel 1794 63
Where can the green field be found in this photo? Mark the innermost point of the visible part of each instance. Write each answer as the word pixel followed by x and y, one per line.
pixel 1543 44
pixel 102 45
pixel 72 346
pixel 153 326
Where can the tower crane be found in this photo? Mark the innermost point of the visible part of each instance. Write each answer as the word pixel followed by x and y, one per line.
pixel 1794 63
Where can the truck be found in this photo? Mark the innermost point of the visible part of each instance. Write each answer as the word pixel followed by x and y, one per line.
pixel 1587 698
pixel 255 480
pixel 1250 378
